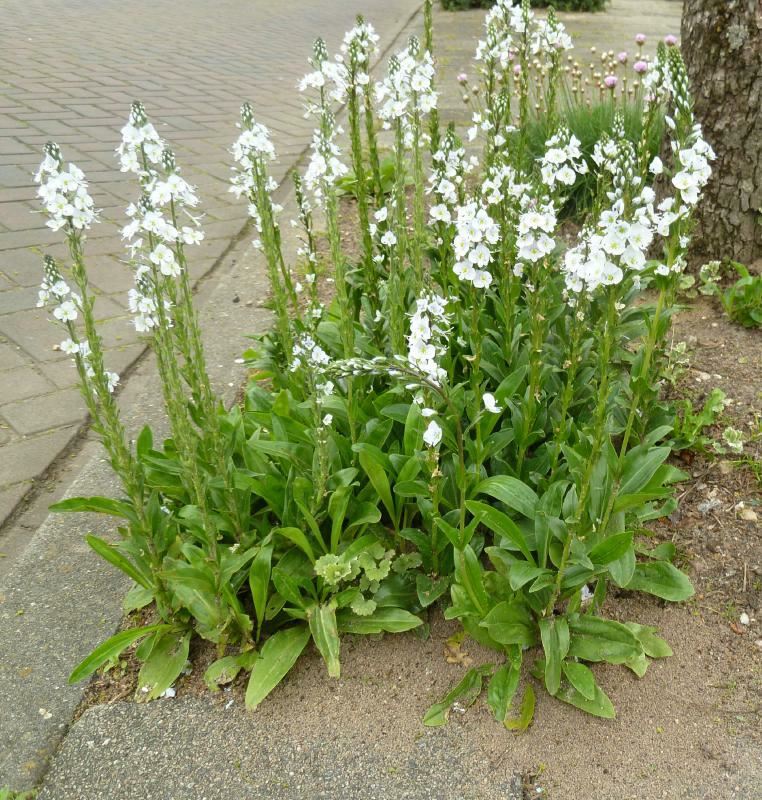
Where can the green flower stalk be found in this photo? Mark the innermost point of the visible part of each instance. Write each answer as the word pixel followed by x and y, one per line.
pixel 252 151
pixel 66 199
pixel 357 77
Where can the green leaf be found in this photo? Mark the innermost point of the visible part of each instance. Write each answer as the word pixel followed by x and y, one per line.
pixel 325 633
pixel 380 482
pixel 653 645
pixel 120 561
pixel 452 533
pixel 581 678
pixel 259 583
pixel 554 632
pixel 430 590
pixel 468 573
pixel 166 661
pixel 526 712
pixel 137 597
pixel 276 658
pixel 337 510
pixel 501 524
pixel 665 551
pixel 411 489
pixel 596 639
pixel 299 538
pixel 512 492
pixel 385 619
pixel 662 579
pixel 111 649
pixel 510 622
pixel 413 436
pixel 363 514
pixel 509 385
pixel 194 588
pixel 521 573
pixel 639 466
pixel 623 568
pixel 599 706
pixel 465 693
pixel 96 505
pixel 502 688
pixel 611 548
pixel 144 442
pixel 224 670
pixel 638 665
pixel 289 586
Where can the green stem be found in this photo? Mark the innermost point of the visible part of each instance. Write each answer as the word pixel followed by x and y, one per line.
pixel 599 431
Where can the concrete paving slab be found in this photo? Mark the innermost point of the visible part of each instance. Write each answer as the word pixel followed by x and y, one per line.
pixel 192 749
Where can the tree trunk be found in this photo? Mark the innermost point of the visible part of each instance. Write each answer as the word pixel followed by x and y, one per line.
pixel 722 47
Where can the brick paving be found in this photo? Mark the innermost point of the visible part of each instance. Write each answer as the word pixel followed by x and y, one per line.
pixel 68 71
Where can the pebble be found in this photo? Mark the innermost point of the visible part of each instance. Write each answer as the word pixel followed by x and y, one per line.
pixel 744 619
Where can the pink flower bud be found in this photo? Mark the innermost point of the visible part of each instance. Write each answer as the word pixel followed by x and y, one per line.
pixel 610 81
pixel 517 69
pixel 462 78
pixel 622 57
pixel 670 40
pixel 640 38
pixel 640 67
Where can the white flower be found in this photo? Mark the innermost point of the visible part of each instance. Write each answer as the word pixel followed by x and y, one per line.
pixel 490 404
pixel 66 312
pixel 192 235
pixel 481 279
pixel 327 419
pixel 656 167
pixel 432 435
pixel 389 239
pixel 381 214
pixel 440 213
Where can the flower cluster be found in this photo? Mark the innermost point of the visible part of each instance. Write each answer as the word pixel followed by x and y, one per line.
pixel 68 306
pixel 141 302
pixel 154 235
pixel 428 337
pixel 63 193
pixel 508 25
pixel 476 232
pixel 563 160
pixel 330 78
pixel 502 182
pixel 534 241
pixel 308 355
pixel 252 150
pixel 359 44
pixel 603 251
pixel 141 145
pixel 624 232
pixel 693 170
pixel 408 86
pixel 448 171
pixel 325 166
pixel 55 288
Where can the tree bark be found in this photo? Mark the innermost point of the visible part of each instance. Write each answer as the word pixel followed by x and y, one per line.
pixel 722 47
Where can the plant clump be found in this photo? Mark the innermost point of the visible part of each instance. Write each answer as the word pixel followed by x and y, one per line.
pixel 473 420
